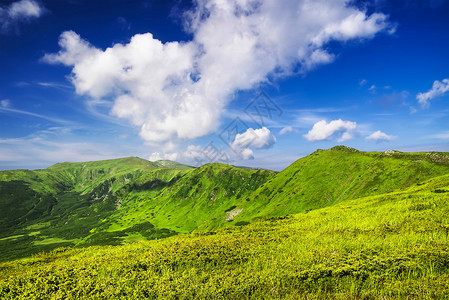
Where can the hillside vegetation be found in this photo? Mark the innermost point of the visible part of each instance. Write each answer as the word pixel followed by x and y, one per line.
pixel 389 246
pixel 113 202
pixel 123 200
pixel 327 177
pixel 339 223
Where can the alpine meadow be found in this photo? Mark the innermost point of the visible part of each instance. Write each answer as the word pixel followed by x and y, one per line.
pixel 224 149
pixel 339 223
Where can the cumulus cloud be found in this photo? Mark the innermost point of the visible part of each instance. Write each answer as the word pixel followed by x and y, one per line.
pixel 288 129
pixel 242 146
pixel 18 12
pixel 336 129
pixel 438 89
pixel 380 136
pixel 178 90
pixel 247 154
pixel 24 9
pixel 261 138
pixel 155 156
pixel 194 154
pixel 244 143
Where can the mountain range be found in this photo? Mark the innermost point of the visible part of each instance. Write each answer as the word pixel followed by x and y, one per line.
pixel 340 207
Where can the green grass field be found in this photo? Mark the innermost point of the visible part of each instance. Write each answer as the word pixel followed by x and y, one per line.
pixel 338 224
pixel 391 246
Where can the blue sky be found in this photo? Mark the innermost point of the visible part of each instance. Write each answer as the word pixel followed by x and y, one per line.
pixel 245 82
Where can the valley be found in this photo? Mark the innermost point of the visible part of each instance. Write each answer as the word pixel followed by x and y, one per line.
pixel 339 223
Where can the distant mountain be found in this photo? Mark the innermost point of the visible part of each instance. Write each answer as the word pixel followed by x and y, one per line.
pixel 119 201
pixel 168 164
pixel 387 245
pixel 245 167
pixel 114 201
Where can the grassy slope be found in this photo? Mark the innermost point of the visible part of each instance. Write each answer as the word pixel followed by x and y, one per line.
pixel 331 176
pixel 117 201
pixel 59 206
pixel 26 195
pixel 393 245
pixel 204 198
pixel 114 201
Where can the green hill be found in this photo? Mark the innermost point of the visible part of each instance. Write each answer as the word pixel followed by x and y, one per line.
pixel 389 246
pixel 332 224
pixel 114 201
pixel 327 177
pixel 59 206
pixel 206 197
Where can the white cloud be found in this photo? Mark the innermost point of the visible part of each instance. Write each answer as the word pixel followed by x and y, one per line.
pixel 74 50
pixel 247 154
pixel 155 156
pixel 439 88
pixel 244 143
pixel 18 12
pixel 261 138
pixel 318 57
pixel 242 146
pixel 362 82
pixel 191 154
pixel 24 9
pixel 179 90
pixel 288 129
pixel 194 154
pixel 380 136
pixel 342 130
pixel 354 25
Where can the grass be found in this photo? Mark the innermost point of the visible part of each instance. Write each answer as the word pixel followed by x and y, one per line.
pixel 48 241
pixel 106 202
pixel 327 177
pixel 340 224
pixel 13 237
pixel 109 202
pixel 393 245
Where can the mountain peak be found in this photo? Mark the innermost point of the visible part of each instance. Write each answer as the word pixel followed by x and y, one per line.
pixel 343 148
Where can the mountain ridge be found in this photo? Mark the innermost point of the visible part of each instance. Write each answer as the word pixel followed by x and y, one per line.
pixel 392 245
pixel 122 200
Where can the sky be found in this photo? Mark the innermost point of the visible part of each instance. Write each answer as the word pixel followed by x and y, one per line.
pixel 257 83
